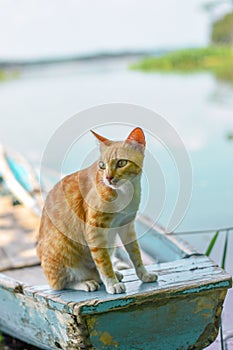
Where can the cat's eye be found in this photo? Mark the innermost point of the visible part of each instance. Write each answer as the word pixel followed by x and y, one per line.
pixel 102 165
pixel 121 163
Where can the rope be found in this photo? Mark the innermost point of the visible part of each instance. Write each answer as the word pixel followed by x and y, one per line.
pixel 222 229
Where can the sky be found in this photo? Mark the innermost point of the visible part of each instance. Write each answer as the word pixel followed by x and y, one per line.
pixel 42 28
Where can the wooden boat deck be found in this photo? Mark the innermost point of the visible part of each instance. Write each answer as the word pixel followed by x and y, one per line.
pixel 18 232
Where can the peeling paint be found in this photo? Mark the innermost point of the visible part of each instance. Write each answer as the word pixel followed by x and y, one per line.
pixel 18 289
pixel 106 306
pixel 94 333
pixel 92 322
pixel 106 338
pixel 203 304
pixel 224 284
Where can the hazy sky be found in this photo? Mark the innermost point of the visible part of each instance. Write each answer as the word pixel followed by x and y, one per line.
pixel 32 28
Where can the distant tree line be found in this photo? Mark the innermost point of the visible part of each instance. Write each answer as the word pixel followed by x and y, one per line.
pixel 222 29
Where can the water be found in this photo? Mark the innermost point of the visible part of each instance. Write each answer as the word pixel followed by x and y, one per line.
pixel 198 106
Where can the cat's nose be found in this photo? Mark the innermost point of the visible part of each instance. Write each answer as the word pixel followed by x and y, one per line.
pixel 109 178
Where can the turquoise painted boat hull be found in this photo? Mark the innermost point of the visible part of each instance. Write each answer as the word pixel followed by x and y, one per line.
pixel 180 311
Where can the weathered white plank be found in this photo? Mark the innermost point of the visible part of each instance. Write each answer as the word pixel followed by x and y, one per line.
pixel 35 276
pixel 182 276
pixel 18 234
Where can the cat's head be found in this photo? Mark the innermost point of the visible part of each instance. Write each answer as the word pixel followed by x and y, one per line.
pixel 121 160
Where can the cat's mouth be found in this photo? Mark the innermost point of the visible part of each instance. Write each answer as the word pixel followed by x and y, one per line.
pixel 113 183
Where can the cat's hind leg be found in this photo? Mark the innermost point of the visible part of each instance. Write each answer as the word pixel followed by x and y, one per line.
pixel 55 273
pixel 87 286
pixel 61 277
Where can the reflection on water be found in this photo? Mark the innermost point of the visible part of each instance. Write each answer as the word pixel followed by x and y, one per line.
pixel 199 107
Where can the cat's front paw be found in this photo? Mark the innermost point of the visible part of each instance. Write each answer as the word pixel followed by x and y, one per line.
pixel 149 277
pixel 116 288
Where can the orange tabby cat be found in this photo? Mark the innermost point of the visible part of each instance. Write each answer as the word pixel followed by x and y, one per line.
pixel 86 210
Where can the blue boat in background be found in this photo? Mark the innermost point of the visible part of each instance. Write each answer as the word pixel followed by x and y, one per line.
pixel 20 179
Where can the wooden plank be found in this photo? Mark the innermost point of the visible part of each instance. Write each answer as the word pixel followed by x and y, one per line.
pixel 5 262
pixel 32 274
pixel 190 275
pixel 18 234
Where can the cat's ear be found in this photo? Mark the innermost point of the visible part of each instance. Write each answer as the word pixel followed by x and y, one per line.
pixel 138 136
pixel 102 139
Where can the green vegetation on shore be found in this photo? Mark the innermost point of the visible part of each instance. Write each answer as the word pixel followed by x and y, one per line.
pixel 215 59
pixel 2 75
pixel 7 75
